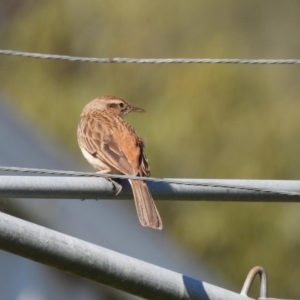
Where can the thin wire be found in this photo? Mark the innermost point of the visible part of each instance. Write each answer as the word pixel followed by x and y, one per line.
pixel 151 179
pixel 153 60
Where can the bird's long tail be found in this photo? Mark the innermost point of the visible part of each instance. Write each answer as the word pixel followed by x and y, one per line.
pixel 145 206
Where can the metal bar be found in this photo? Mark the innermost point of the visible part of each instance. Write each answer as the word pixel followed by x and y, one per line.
pixel 102 265
pixel 99 188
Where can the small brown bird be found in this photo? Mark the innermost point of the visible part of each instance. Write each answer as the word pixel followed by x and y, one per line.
pixel 112 146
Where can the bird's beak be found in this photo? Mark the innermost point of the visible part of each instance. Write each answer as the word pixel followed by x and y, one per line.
pixel 136 109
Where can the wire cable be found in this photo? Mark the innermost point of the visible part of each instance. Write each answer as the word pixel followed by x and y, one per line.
pixel 151 179
pixel 153 60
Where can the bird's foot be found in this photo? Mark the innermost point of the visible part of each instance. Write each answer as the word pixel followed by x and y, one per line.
pixel 106 171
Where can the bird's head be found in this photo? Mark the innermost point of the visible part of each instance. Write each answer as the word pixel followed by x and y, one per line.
pixel 111 104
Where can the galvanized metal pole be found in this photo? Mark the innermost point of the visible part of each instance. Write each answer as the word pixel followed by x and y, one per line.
pixel 102 265
pixel 99 188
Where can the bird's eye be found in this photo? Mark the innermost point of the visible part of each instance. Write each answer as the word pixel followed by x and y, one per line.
pixel 121 105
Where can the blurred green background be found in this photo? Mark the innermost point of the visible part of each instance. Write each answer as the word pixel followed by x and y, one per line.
pixel 202 121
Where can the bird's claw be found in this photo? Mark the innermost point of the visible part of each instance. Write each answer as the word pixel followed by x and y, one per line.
pixel 109 179
pixel 114 185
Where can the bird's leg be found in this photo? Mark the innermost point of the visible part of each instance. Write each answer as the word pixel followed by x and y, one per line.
pixel 106 171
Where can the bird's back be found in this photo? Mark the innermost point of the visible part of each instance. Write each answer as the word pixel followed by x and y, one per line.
pixel 100 129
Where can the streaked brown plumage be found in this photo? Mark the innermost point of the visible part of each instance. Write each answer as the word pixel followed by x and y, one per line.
pixel 112 146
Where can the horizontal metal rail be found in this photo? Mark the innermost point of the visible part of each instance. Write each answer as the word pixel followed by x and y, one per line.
pixel 100 188
pixel 102 265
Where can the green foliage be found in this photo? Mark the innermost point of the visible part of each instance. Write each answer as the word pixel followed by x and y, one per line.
pixel 204 121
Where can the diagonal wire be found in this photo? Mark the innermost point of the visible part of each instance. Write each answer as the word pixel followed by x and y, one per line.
pixel 151 179
pixel 152 60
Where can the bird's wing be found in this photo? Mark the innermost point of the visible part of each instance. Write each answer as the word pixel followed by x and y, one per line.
pixel 101 143
pixel 144 167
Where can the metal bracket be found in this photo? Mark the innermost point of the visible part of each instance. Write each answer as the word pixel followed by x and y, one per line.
pixel 263 282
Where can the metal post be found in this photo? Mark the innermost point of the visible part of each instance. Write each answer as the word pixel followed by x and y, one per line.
pixel 102 265
pixel 99 188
